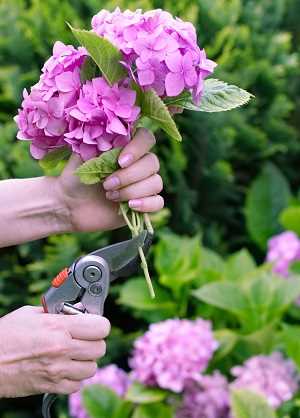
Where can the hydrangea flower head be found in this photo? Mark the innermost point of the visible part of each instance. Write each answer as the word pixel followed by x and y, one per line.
pixel 161 49
pixel 101 119
pixel 111 376
pixel 171 352
pixel 271 376
pixel 205 397
pixel 283 249
pixel 42 116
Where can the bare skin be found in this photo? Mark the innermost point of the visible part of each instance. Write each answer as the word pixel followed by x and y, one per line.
pixel 45 353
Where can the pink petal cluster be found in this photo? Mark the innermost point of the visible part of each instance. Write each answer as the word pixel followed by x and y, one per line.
pixel 42 117
pixel 271 376
pixel 160 49
pixel 102 118
pixel 283 249
pixel 111 376
pixel 171 352
pixel 205 397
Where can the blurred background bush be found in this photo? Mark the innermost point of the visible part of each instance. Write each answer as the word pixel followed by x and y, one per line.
pixel 232 184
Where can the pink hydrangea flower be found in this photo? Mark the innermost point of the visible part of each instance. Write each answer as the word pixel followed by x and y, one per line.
pixel 162 50
pixel 111 376
pixel 41 119
pixel 102 118
pixel 283 249
pixel 171 352
pixel 205 397
pixel 271 376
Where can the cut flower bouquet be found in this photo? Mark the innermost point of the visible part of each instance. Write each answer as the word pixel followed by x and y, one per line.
pixel 130 67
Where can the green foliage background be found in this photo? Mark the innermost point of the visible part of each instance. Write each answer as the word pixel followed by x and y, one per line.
pixel 211 183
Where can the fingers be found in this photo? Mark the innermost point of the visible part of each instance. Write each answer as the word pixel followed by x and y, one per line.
pixel 141 143
pixel 87 327
pixel 147 204
pixel 87 350
pixel 148 187
pixel 140 170
pixel 79 370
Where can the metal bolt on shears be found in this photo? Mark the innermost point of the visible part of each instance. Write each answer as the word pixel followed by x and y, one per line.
pixel 84 286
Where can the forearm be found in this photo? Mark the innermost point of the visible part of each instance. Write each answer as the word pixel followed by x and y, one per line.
pixel 29 210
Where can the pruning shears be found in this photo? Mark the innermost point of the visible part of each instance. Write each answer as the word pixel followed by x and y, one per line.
pixel 84 286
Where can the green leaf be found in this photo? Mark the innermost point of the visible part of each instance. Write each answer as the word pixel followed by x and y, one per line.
pixel 268 195
pixel 53 158
pixel 134 294
pixel 89 70
pixel 227 340
pixel 219 96
pixel 140 394
pixel 290 339
pixel 102 402
pixel 224 295
pixel 104 53
pixel 155 410
pixel 97 169
pixel 239 264
pixel 290 219
pixel 154 108
pixel 247 404
pixel 177 260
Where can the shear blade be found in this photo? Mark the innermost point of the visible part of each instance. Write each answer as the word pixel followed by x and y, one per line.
pixel 123 257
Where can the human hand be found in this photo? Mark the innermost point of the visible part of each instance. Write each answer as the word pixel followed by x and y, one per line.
pixel 137 181
pixel 41 353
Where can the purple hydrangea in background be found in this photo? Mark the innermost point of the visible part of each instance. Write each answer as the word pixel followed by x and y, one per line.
pixel 161 49
pixel 171 352
pixel 271 376
pixel 283 249
pixel 205 397
pixel 111 376
pixel 42 117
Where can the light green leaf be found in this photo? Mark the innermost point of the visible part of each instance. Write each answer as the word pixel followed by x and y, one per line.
pixel 104 53
pixel 155 410
pixel 290 339
pixel 268 195
pixel 134 294
pixel 53 158
pixel 239 264
pixel 100 401
pixel 97 169
pixel 154 108
pixel 219 96
pixel 140 394
pixel 88 70
pixel 177 260
pixel 224 295
pixel 290 219
pixel 247 404
pixel 227 340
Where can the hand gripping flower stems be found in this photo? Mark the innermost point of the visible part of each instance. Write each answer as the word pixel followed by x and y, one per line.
pixel 130 66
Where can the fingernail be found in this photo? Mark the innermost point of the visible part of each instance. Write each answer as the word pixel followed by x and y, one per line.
pixel 111 183
pixel 135 203
pixel 125 160
pixel 113 195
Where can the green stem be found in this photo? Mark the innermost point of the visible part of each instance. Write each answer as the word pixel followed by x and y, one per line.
pixel 148 223
pixel 146 272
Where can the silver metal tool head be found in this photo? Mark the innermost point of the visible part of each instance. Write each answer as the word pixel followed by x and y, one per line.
pixel 123 258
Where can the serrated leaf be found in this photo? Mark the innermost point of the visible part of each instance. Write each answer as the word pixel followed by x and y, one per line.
pixel 219 96
pixel 154 108
pixel 52 159
pixel 157 410
pixel 88 70
pixel 140 394
pixel 103 52
pixel 97 169
pixel 247 404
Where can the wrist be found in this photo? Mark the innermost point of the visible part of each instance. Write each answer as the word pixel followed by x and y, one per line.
pixel 60 216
